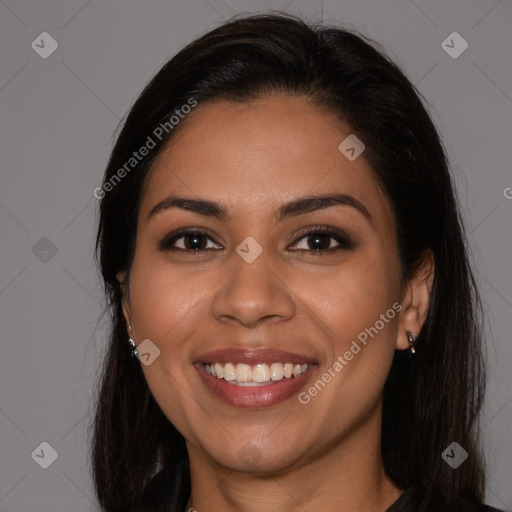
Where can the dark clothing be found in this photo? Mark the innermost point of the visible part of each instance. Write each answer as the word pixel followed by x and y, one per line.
pixel 412 501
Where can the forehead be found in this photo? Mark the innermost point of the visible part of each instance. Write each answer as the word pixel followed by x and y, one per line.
pixel 260 154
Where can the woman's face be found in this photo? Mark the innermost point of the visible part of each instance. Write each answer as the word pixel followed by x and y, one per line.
pixel 257 284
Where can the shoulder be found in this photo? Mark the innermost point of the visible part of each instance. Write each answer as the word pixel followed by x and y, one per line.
pixel 478 508
pixel 465 506
pixel 415 500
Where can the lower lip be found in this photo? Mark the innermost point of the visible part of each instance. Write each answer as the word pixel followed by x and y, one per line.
pixel 254 396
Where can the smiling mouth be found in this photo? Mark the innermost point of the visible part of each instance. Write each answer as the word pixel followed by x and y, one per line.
pixel 254 377
pixel 261 374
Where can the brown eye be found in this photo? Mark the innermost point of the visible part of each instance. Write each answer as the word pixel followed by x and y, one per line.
pixel 323 240
pixel 319 241
pixel 193 241
pixel 187 241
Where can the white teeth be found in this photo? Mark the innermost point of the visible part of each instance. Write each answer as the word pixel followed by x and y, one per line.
pixel 243 373
pixel 260 374
pixel 276 371
pixel 229 372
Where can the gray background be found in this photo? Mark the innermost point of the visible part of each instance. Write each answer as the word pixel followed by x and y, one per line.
pixel 58 116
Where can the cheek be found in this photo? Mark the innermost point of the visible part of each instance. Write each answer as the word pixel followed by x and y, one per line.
pixel 355 306
pixel 354 295
pixel 165 308
pixel 163 299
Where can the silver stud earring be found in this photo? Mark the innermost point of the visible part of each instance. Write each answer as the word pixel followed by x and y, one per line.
pixel 133 347
pixel 412 342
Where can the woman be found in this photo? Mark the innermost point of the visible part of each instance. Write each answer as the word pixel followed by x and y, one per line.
pixel 294 319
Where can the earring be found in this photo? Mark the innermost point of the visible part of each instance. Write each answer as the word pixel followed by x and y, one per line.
pixel 133 348
pixel 412 342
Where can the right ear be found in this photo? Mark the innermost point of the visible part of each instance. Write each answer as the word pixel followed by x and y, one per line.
pixel 122 277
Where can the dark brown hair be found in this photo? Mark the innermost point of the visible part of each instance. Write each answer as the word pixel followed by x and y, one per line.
pixel 139 458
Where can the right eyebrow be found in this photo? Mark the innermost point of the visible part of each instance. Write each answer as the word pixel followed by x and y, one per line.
pixel 201 206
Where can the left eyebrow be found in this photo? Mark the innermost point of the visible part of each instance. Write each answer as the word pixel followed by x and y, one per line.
pixel 319 202
pixel 293 208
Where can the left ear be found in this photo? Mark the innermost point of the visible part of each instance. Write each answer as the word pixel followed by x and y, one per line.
pixel 416 300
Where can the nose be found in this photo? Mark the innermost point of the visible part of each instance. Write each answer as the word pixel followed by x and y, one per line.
pixel 253 293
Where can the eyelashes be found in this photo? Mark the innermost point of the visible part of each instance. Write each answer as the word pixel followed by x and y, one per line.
pixel 316 237
pixel 167 243
pixel 316 241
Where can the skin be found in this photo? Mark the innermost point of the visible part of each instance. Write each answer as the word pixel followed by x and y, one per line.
pixel 251 158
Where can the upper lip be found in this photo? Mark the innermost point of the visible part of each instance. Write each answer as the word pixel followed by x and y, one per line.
pixel 252 356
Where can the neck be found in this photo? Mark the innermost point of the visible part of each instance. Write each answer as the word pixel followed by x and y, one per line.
pixel 346 476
